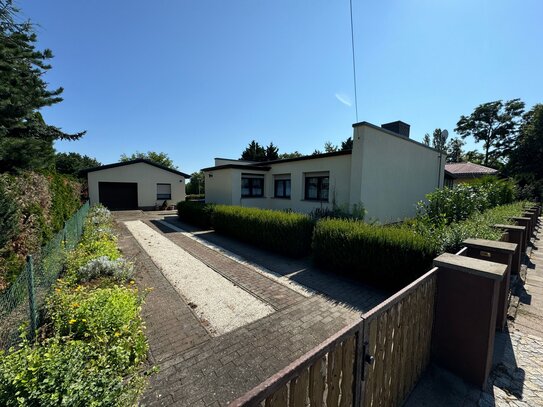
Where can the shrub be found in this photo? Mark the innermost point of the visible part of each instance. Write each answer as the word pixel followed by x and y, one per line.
pixel 102 315
pixel 283 232
pixel 66 373
pixel 357 212
pixel 447 205
pixel 120 269
pixel 449 238
pixel 389 257
pixel 9 217
pixel 65 197
pixel 97 241
pixel 195 213
pixel 195 197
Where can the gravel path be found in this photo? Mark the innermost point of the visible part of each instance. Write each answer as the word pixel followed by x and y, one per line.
pixel 218 303
pixel 284 280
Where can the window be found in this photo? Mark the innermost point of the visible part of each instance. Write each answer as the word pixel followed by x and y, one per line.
pixel 316 188
pixel 163 191
pixel 252 186
pixel 282 188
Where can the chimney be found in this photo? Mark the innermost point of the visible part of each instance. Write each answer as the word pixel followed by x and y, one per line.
pixel 397 127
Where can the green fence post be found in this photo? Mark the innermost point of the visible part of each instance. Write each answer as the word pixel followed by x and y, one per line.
pixel 31 296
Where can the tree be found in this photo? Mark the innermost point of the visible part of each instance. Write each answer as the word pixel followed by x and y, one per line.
pixel 329 147
pixel 454 150
pixel 347 144
pixel 73 163
pixel 295 154
pixel 426 139
pixel 439 140
pixel 196 185
pixel 272 152
pixel 474 156
pixel 254 152
pixel 495 124
pixel 526 160
pixel 159 158
pixel 23 92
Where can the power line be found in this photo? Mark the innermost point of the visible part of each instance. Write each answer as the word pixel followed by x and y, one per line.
pixel 354 63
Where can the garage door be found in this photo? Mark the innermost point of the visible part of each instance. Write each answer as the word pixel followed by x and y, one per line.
pixel 118 195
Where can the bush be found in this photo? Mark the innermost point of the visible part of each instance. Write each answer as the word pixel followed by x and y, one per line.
pixel 66 373
pixel 65 199
pixel 97 242
pixel 447 205
pixel 283 232
pixel 102 315
pixel 195 197
pixel 389 257
pixel 93 357
pixel 9 217
pixel 449 238
pixel 195 213
pixel 119 269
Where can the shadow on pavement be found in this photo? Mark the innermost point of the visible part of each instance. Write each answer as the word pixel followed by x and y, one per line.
pixel 351 293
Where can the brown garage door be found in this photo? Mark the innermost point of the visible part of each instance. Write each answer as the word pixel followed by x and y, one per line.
pixel 118 195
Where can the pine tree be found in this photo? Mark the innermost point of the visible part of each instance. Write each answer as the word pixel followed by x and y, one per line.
pixel 23 92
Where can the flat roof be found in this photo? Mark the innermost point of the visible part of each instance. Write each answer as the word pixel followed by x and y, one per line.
pixel 136 161
pixel 373 126
pixel 264 165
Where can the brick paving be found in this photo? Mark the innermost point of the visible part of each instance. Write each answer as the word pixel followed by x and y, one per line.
pixel 198 370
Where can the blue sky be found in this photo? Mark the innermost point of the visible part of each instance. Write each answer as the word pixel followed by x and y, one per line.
pixel 200 79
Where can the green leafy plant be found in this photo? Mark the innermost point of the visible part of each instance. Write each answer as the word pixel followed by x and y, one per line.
pixel 60 372
pixel 447 205
pixel 9 217
pixel 195 213
pixel 283 232
pixel 388 257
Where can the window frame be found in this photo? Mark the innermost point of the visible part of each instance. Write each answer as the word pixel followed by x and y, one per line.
pixel 320 179
pixel 251 186
pixel 282 181
pixel 161 197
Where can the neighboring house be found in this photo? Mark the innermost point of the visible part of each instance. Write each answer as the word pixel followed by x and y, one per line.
pixel 457 173
pixel 135 184
pixel 385 171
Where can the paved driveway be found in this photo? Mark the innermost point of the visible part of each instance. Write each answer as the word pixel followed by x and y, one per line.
pixel 197 369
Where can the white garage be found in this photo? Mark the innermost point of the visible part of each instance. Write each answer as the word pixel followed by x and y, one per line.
pixel 136 184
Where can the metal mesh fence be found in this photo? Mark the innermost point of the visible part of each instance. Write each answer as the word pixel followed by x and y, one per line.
pixel 22 301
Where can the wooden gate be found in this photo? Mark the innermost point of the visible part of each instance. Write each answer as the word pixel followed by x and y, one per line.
pixel 397 341
pixel 372 362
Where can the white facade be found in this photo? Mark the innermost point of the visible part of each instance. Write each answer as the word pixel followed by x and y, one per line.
pixel 385 172
pixel 152 182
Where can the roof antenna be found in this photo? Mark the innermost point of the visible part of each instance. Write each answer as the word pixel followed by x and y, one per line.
pixel 354 64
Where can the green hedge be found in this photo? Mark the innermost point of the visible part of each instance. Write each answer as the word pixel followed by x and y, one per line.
pixel 282 232
pixel 388 257
pixel 195 197
pixel 195 213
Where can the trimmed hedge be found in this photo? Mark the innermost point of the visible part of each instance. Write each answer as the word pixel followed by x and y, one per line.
pixel 195 213
pixel 195 197
pixel 388 257
pixel 282 232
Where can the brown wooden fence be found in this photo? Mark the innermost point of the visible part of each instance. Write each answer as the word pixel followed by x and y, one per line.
pixel 372 362
pixel 397 335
